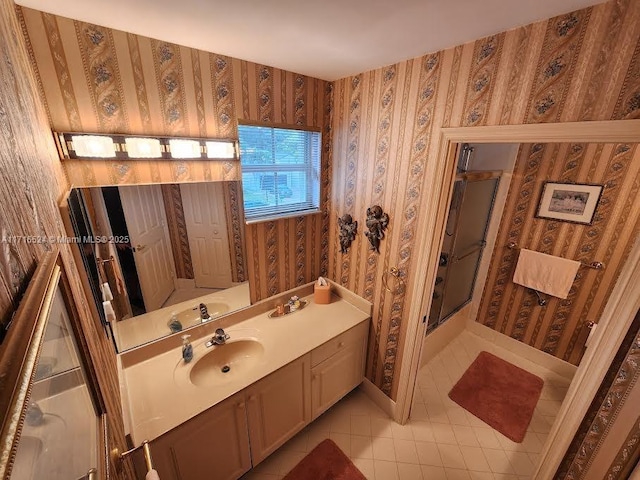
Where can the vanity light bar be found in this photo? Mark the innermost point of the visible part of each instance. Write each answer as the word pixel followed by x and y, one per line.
pixel 131 147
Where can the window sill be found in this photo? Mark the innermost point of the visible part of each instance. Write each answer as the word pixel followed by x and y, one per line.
pixel 282 216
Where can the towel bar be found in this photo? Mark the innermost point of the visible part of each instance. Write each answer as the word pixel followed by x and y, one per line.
pixel 594 265
pixel 541 301
pixel 117 457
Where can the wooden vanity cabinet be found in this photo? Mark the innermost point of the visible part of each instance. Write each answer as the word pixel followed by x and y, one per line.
pixel 226 440
pixel 337 368
pixel 278 406
pixel 214 444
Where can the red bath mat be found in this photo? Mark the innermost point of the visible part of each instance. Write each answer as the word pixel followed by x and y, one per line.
pixel 499 393
pixel 325 462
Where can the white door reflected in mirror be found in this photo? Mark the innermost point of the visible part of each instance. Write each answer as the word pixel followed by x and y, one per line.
pixel 174 246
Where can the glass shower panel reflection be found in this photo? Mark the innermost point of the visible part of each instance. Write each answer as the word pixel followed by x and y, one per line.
pixel 467 223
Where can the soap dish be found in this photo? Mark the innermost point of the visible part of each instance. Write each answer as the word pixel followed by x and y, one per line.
pixel 275 314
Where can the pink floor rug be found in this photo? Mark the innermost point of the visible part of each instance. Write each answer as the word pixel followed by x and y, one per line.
pixel 500 394
pixel 325 462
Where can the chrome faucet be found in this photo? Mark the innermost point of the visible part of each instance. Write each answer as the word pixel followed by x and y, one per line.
pixel 35 415
pixel 204 313
pixel 220 338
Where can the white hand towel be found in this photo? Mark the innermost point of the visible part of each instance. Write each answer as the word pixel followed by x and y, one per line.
pixel 545 273
pixel 152 475
pixel 107 296
pixel 109 314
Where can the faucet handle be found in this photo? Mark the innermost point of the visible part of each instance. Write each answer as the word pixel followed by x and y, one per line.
pixel 221 334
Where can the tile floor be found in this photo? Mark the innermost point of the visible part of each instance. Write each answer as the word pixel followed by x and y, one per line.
pixel 441 439
pixel 184 294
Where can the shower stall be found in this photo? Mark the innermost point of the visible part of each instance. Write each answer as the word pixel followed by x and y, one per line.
pixel 464 241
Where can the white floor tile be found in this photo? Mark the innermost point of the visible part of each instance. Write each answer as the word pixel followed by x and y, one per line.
pixel 422 431
pixel 498 461
pixel 402 432
pixel 381 427
pixel 433 473
pixel 428 454
pixel 443 433
pixel 361 447
pixel 451 456
pixel 521 463
pixel 457 416
pixel 465 436
pixel 383 449
pixel 406 451
pixel 340 422
pixel 385 470
pixel 456 474
pixel 481 475
pixel 419 412
pixel 487 437
pixel 474 459
pixel 361 425
pixel 408 471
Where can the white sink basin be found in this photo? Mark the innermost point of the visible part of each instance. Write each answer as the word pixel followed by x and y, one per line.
pixel 226 362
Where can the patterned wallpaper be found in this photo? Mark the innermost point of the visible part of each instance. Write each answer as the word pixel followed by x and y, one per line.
pixel 609 404
pixel 581 66
pixel 95 79
pixel 380 134
pixel 559 327
pixel 31 185
pixel 177 226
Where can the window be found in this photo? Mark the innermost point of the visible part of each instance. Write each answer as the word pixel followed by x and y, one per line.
pixel 280 172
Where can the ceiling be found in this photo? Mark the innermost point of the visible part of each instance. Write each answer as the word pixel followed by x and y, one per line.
pixel 327 39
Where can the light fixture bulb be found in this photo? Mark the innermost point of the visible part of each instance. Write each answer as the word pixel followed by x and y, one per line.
pixel 184 148
pixel 143 147
pixel 93 146
pixel 220 149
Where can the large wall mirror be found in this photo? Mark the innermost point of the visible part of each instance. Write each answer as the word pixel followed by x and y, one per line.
pixel 156 254
pixel 53 423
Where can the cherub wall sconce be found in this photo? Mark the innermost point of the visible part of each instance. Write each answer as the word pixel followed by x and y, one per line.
pixel 348 231
pixel 377 222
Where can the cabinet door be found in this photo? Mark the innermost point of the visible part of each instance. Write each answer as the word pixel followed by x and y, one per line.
pixel 278 406
pixel 214 444
pixel 335 377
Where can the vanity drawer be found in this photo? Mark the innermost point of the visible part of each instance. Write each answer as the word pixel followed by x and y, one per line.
pixel 338 343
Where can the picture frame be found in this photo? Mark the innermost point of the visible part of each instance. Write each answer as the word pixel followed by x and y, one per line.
pixel 569 202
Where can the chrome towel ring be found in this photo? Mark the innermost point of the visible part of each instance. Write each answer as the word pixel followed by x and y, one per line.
pixel 395 273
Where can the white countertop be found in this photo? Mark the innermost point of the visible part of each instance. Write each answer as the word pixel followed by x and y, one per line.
pixel 161 396
pixel 150 326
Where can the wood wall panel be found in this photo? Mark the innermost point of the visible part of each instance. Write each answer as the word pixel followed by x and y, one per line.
pixel 386 129
pixel 98 79
pixel 31 184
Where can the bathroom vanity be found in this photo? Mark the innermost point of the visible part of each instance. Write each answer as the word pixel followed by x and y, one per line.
pixel 234 404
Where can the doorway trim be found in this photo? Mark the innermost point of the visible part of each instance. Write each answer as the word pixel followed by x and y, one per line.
pixel 623 303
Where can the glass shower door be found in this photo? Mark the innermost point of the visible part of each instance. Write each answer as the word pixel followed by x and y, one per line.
pixel 464 242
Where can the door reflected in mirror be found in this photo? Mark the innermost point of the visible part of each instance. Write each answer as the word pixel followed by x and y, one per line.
pixel 154 254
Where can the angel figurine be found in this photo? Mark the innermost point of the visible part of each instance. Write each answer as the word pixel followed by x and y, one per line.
pixel 348 230
pixel 377 222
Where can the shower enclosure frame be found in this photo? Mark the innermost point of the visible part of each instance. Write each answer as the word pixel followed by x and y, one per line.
pixel 451 259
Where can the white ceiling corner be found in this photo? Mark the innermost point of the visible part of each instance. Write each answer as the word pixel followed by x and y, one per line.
pixel 327 39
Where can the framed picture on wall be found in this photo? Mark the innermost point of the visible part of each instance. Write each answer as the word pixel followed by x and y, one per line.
pixel 569 202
